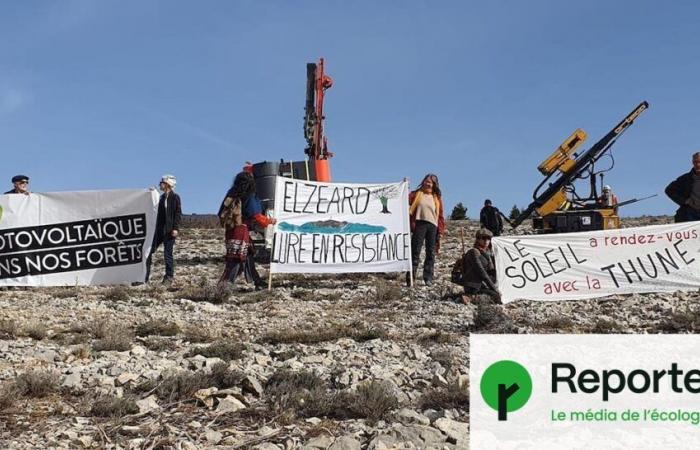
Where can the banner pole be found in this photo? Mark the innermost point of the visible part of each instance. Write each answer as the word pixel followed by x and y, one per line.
pixel 410 249
pixel 269 271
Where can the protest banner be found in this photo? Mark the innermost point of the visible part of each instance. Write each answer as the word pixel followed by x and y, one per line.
pixel 661 258
pixel 76 238
pixel 340 228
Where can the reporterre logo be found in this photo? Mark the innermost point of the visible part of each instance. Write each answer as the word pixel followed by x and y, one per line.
pixel 506 386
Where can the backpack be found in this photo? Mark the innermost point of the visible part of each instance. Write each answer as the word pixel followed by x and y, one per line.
pixel 232 213
pixel 457 275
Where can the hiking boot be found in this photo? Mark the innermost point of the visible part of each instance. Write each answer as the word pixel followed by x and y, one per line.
pixel 167 280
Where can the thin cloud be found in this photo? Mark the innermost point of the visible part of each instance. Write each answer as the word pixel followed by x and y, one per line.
pixel 195 130
pixel 12 100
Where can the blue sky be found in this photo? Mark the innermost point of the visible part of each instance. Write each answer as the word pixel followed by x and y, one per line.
pixel 106 94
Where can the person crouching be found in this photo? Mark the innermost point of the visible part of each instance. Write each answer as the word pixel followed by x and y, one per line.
pixel 480 269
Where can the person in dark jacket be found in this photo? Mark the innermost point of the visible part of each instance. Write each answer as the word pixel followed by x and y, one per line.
pixel 239 212
pixel 685 192
pixel 427 221
pixel 20 185
pixel 167 227
pixel 479 269
pixel 490 218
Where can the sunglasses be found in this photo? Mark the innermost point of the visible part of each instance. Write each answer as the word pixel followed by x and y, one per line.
pixel 23 182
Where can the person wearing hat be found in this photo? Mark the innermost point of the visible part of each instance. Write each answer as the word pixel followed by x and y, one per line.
pixel 607 199
pixel 479 269
pixel 20 185
pixel 167 226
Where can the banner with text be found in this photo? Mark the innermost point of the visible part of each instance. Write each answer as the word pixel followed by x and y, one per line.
pixel 76 238
pixel 660 258
pixel 339 228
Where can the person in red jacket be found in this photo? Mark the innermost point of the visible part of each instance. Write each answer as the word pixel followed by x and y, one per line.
pixel 427 224
pixel 239 211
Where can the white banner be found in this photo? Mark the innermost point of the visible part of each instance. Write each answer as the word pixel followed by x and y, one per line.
pixel 339 228
pixel 662 258
pixel 76 238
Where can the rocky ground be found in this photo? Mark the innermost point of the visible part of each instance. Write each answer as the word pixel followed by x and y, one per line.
pixel 333 362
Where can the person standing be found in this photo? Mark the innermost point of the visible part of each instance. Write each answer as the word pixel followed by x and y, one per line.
pixel 607 199
pixel 480 269
pixel 427 225
pixel 239 211
pixel 490 218
pixel 20 185
pixel 167 227
pixel 685 192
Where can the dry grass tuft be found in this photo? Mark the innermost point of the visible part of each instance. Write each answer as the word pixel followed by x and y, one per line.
pixel 687 321
pixel 556 323
pixel 183 384
pixel 604 326
pixel 82 352
pixel 35 330
pixel 369 333
pixel 491 318
pixel 8 395
pixel 8 329
pixel 311 336
pixel 437 337
pixel 386 292
pixel 159 344
pixel 111 406
pixel 158 327
pixel 207 291
pixel 452 396
pixel 295 392
pixel 227 350
pixel 373 400
pixel 116 338
pixel 200 334
pixel 327 333
pixel 304 394
pixel 36 383
pixel 117 294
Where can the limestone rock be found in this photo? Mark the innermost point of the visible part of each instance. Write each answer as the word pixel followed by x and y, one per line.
pixel 148 404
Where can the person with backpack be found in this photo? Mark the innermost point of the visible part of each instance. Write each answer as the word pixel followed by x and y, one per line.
pixel 491 218
pixel 239 211
pixel 167 227
pixel 479 269
pixel 427 225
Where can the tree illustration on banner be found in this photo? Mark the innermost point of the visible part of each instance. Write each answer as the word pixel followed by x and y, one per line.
pixel 384 194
